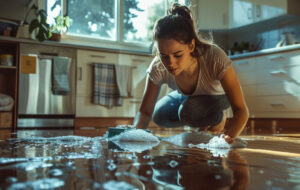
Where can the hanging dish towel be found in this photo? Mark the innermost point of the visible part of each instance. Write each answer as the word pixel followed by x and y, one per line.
pixel 106 91
pixel 124 80
pixel 60 76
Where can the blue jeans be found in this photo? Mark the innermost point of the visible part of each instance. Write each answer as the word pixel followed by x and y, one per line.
pixel 175 110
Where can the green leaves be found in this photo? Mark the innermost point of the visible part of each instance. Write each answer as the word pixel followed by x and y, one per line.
pixel 39 25
pixel 62 23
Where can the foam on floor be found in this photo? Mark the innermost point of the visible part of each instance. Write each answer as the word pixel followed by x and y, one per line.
pixel 135 140
pixel 135 135
pixel 112 185
pixel 205 139
pixel 136 146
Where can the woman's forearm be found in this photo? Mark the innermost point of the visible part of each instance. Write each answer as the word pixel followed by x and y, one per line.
pixel 142 120
pixel 237 123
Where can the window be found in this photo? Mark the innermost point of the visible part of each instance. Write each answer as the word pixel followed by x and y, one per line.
pixel 125 21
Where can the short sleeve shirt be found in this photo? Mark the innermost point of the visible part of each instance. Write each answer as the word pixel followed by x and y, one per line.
pixel 217 63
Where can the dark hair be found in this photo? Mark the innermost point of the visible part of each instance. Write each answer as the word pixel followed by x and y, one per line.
pixel 179 25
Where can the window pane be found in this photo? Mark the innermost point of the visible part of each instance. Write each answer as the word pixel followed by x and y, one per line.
pixel 92 18
pixel 139 18
pixel 54 9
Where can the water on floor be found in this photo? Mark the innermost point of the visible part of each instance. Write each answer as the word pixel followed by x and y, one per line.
pixel 85 159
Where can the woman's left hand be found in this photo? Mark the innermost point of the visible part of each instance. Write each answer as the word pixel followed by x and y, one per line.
pixel 227 138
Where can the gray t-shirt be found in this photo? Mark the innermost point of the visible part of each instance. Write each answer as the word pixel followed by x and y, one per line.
pixel 215 62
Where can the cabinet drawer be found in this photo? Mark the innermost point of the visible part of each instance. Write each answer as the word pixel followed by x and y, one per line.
pixel 278 75
pixel 244 65
pixel 278 60
pixel 86 57
pixel 273 103
pixel 281 88
pixel 247 78
pixel 249 90
pixel 85 108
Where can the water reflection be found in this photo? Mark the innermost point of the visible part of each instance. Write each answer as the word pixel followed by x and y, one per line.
pixel 71 162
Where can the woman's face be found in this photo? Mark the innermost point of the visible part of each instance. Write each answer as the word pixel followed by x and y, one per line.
pixel 175 56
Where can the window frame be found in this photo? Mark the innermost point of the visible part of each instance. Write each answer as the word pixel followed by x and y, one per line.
pixel 118 43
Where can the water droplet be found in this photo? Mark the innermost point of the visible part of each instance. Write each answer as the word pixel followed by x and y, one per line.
pixel 151 163
pixel 11 180
pixel 146 156
pixel 148 172
pixel 173 163
pixel 111 166
pixel 218 176
pixel 261 171
pixel 269 182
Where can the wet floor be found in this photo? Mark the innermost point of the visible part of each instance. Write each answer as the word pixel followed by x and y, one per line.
pixel 84 159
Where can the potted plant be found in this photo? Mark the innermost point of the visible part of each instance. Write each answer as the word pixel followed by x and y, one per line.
pixel 62 23
pixel 38 26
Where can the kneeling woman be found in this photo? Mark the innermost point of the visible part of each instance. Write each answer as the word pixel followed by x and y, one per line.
pixel 201 75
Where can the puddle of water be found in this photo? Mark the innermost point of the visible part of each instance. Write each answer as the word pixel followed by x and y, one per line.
pixel 141 160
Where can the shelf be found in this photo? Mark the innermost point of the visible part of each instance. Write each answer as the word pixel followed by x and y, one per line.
pixel 7 67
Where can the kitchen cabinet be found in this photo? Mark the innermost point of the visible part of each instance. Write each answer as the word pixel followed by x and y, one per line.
pixel 84 105
pixel 213 14
pixel 230 14
pixel 270 84
pixel 250 11
pixel 9 76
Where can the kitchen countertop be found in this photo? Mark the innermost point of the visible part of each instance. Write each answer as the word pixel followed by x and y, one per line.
pixel 84 45
pixel 265 52
pixel 135 52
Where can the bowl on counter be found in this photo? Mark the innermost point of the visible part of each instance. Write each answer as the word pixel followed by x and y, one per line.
pixel 8 28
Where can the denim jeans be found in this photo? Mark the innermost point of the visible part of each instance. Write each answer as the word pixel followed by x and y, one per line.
pixel 175 110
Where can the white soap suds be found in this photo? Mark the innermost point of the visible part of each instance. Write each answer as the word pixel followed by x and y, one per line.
pixel 204 140
pixel 135 135
pixel 64 147
pixel 46 183
pixel 136 146
pixel 112 185
pixel 135 140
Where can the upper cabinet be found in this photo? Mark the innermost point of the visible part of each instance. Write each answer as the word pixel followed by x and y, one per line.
pixel 229 14
pixel 244 12
pixel 213 14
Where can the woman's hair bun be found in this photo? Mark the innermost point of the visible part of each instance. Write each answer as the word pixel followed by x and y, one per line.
pixel 180 10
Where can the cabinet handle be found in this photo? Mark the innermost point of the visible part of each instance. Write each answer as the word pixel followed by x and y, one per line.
pixel 249 13
pixel 276 105
pixel 257 11
pixel 98 56
pixel 224 19
pixel 277 73
pixel 139 60
pixel 88 128
pixel 80 73
pixel 276 57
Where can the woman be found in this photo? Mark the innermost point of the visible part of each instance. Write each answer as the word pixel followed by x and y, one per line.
pixel 201 75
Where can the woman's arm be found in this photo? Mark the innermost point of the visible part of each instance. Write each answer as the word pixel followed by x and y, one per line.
pixel 235 96
pixel 144 115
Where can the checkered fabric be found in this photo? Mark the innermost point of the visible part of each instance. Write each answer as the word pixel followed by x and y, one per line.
pixel 106 90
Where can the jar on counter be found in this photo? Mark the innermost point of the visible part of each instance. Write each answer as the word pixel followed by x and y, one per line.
pixel 6 59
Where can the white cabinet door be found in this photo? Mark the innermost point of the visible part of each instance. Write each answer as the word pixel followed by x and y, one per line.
pixel 270 84
pixel 241 13
pixel 84 105
pixel 212 14
pixel 85 59
pixel 266 9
